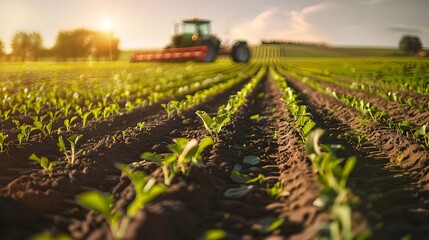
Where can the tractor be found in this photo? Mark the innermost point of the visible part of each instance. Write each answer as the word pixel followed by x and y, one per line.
pixel 193 40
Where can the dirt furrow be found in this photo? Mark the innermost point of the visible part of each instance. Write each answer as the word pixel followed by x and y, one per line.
pixel 418 98
pixel 396 110
pixel 94 167
pixel 379 179
pixel 186 211
pixel 16 162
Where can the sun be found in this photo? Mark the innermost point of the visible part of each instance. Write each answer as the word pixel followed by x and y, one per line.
pixel 106 24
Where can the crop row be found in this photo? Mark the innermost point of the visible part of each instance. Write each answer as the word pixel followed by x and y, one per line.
pixel 419 133
pixel 393 74
pixel 65 111
pixel 331 170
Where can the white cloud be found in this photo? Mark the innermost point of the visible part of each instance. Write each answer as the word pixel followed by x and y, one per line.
pixel 276 24
pixel 404 28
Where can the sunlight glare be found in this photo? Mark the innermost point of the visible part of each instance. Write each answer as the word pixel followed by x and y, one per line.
pixel 106 24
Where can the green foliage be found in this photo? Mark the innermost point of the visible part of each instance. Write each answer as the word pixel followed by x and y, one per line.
pixel 69 154
pixel 185 154
pixel 277 191
pixel 25 44
pixel 422 133
pixel 44 162
pixel 140 125
pixel 410 44
pixel 69 44
pixel 214 234
pixel 332 173
pixel 68 122
pixel 2 139
pixel 213 125
pixel 269 224
pixel 251 160
pixel 238 192
pixel 44 236
pixel 146 190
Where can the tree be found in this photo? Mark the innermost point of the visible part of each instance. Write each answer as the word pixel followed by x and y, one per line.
pixel 27 44
pixel 410 44
pixel 35 44
pixel 20 45
pixel 82 43
pixel 2 53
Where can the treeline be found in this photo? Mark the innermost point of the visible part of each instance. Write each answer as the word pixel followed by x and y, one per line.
pixel 78 44
pixel 288 42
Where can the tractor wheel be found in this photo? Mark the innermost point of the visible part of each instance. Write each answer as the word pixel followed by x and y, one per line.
pixel 240 52
pixel 211 52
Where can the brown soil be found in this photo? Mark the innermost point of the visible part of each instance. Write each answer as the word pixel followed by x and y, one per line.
pixel 393 196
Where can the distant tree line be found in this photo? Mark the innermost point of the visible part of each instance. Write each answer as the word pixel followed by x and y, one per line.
pixel 70 44
pixel 288 42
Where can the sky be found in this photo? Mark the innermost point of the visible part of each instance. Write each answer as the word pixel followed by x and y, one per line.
pixel 150 23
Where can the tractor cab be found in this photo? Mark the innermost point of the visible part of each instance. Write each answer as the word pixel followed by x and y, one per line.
pixel 193 32
pixel 196 26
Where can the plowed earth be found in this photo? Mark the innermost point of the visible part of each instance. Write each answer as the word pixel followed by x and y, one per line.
pixel 393 195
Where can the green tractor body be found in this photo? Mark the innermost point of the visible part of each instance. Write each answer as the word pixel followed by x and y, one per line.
pixel 193 40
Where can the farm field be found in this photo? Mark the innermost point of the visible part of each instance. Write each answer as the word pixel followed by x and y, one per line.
pixel 279 148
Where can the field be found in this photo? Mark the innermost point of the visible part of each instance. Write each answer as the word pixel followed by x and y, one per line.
pixel 279 148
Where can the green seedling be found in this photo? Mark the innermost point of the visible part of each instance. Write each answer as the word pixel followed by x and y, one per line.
pixel 251 160
pixel 54 115
pixel 242 178
pixel 6 114
pixel 44 162
pixel 46 236
pixel 214 234
pixel 68 122
pixel 213 125
pixel 2 139
pixel 96 112
pixel 38 124
pixel 102 204
pixel 269 224
pixel 146 190
pixel 140 125
pixel 185 154
pixel 277 191
pixel 423 133
pixel 69 154
pixel 24 134
pixel 172 106
pixel 332 173
pixel 238 192
pixel 84 117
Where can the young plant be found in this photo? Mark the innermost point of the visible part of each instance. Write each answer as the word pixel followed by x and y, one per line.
pixel 24 134
pixel 2 139
pixel 38 124
pixel 44 162
pixel 84 117
pixel 185 154
pixel 423 133
pixel 69 154
pixel 146 190
pixel 140 125
pixel 213 125
pixel 68 122
pixel 332 173
pixel 277 191
pixel 170 107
